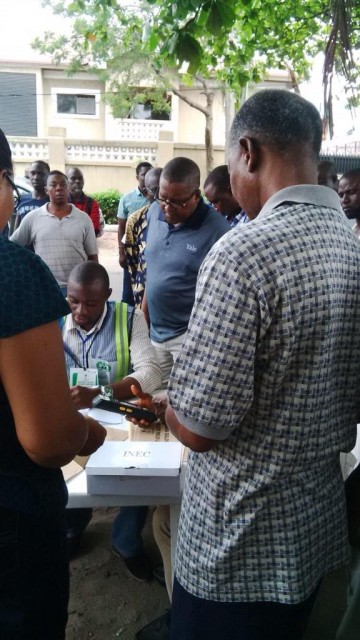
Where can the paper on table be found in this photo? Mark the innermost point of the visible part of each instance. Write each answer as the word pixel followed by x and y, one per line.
pixel 107 417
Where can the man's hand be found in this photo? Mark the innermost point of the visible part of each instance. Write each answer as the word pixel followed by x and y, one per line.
pixel 96 437
pixel 83 396
pixel 146 401
pixel 122 257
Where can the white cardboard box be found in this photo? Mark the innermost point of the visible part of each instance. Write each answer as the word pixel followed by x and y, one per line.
pixel 154 466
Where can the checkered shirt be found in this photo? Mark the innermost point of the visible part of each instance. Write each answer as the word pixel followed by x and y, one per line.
pixel 270 369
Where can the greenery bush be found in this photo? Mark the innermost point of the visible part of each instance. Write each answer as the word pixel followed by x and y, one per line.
pixel 108 201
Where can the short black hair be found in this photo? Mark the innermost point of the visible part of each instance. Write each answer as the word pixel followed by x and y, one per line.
pixel 182 169
pixel 43 163
pixel 56 172
pixel 141 165
pixel 86 273
pixel 280 120
pixel 219 177
pixel 352 173
pixel 5 153
pixel 74 169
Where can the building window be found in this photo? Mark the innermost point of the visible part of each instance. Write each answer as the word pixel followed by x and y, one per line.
pixel 147 110
pixel 75 103
pixel 83 105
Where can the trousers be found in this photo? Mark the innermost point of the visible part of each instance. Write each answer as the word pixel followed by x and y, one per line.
pixel 34 576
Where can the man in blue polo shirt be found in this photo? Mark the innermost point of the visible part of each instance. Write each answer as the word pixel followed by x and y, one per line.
pixel 181 230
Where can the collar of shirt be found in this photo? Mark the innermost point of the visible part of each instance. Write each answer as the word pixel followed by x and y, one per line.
pixel 303 194
pixel 46 211
pixel 71 326
pixel 194 221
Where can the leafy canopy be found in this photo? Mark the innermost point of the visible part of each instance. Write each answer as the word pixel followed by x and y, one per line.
pixel 232 42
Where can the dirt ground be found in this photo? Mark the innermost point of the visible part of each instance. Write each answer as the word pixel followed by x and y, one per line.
pixel 105 602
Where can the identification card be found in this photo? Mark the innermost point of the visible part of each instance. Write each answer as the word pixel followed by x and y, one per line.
pixel 84 377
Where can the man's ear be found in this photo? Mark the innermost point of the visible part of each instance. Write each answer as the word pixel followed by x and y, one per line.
pixel 250 152
pixel 109 294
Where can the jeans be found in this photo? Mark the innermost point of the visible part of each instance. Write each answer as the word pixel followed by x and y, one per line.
pixel 126 531
pixel 34 577
pixel 209 620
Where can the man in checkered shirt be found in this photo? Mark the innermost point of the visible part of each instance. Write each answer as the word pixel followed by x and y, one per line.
pixel 265 391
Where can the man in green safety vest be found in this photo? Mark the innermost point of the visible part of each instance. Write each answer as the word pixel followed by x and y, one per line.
pixel 107 349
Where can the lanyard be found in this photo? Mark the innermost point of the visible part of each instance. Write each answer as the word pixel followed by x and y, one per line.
pixel 85 353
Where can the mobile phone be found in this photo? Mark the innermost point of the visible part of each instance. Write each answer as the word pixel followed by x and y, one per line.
pixel 125 408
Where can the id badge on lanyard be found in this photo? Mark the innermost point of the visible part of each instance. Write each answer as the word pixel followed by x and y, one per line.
pixel 83 377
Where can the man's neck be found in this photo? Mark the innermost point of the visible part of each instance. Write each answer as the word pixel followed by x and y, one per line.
pixel 59 210
pixel 78 197
pixel 39 195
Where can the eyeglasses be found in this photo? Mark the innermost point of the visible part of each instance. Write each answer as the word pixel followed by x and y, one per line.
pixel 175 205
pixel 16 191
pixel 152 190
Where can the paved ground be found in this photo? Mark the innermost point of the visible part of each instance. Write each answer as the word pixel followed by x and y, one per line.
pixel 109 257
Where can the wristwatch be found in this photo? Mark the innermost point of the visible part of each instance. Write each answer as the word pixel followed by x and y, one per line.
pixel 107 391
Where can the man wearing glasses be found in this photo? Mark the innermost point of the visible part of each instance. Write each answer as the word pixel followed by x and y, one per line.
pixel 181 230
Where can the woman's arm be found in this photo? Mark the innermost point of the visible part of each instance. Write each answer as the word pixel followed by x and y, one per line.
pixel 48 426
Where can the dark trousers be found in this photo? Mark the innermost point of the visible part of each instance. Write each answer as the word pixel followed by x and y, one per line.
pixel 34 577
pixel 196 619
pixel 127 292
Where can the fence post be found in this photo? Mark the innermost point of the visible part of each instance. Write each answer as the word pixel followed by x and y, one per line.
pixel 57 148
pixel 165 150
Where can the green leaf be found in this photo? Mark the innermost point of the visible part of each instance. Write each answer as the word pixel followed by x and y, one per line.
pixel 189 50
pixel 213 23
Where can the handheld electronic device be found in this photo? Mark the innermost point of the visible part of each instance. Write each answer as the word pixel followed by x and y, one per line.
pixel 125 408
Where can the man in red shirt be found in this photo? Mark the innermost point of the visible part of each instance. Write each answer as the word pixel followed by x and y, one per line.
pixel 81 200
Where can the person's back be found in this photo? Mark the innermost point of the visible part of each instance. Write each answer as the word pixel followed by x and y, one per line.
pixel 40 431
pixel 265 392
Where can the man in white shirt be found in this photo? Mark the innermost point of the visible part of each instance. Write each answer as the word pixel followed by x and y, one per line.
pixel 61 234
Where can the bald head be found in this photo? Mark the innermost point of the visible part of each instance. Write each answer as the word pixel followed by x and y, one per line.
pixel 152 179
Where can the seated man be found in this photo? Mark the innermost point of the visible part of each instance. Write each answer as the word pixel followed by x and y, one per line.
pixel 109 339
pixel 217 190
pixel 81 200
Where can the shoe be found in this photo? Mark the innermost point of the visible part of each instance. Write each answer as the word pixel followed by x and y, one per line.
pixel 159 575
pixel 138 566
pixel 158 629
pixel 73 543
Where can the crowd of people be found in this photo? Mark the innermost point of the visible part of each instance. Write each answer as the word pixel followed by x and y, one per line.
pixel 242 306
